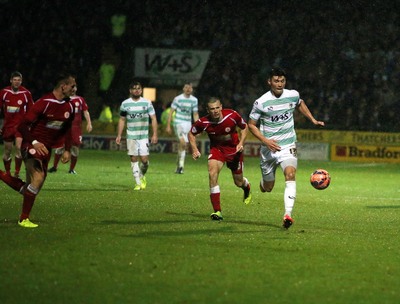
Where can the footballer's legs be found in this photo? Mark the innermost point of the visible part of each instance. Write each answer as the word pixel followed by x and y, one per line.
pixel 143 170
pixel 35 179
pixel 8 145
pixel 57 156
pixel 18 156
pixel 136 173
pixel 242 182
pixel 289 195
pixel 18 165
pixel 246 191
pixel 7 165
pixel 27 205
pixel 181 155
pixel 74 159
pixel 14 182
pixel 214 167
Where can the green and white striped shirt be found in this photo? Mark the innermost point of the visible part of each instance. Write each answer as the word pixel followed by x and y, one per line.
pixel 184 106
pixel 276 116
pixel 137 115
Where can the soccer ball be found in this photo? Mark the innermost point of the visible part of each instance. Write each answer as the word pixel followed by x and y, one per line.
pixel 320 179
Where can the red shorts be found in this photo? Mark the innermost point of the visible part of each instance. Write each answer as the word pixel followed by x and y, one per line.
pixel 9 134
pixel 76 135
pixel 29 152
pixel 233 160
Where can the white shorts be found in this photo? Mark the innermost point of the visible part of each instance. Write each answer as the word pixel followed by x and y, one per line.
pixel 269 161
pixel 138 147
pixel 182 130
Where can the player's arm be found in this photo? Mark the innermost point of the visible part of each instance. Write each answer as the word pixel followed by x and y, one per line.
pixel 89 127
pixel 242 138
pixel 154 125
pixel 121 126
pixel 306 112
pixel 171 113
pixel 192 140
pixel 195 116
pixel 270 143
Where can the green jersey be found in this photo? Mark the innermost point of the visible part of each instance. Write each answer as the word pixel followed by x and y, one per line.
pixel 137 114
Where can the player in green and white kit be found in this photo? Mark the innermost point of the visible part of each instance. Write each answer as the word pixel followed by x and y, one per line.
pixel 274 112
pixel 135 112
pixel 186 107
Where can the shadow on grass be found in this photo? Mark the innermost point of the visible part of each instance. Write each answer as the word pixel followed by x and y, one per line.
pixel 253 223
pixel 118 188
pixel 201 218
pixel 384 207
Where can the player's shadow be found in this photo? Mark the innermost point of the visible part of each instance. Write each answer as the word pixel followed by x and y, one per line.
pixel 244 222
pixel 384 207
pixel 220 227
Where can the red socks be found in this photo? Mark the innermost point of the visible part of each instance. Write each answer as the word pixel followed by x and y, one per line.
pixel 14 182
pixel 215 201
pixel 29 199
pixel 56 159
pixel 74 159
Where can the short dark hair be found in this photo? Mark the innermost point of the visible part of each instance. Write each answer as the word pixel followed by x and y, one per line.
pixel 135 83
pixel 63 78
pixel 277 71
pixel 15 74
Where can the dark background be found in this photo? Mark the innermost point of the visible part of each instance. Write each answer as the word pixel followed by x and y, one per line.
pixel 342 57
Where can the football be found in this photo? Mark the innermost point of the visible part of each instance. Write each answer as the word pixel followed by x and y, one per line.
pixel 320 179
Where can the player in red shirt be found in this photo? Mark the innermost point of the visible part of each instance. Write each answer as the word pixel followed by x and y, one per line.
pixel 225 147
pixel 44 126
pixel 75 134
pixel 15 100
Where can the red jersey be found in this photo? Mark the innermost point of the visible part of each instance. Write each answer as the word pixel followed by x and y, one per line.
pixel 222 133
pixel 47 121
pixel 14 105
pixel 80 106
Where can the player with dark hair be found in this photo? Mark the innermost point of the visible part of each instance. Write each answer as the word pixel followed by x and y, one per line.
pixel 185 108
pixel 274 110
pixel 44 126
pixel 75 133
pixel 15 100
pixel 226 146
pixel 136 112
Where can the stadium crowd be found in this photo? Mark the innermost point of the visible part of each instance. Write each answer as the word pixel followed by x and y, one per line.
pixel 342 58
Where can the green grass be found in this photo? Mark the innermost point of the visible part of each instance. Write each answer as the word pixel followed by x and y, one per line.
pixel 101 242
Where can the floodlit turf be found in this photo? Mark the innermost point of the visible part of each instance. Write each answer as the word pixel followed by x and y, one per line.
pixel 98 241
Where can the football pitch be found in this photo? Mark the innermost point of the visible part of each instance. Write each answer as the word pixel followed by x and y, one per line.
pixel 98 241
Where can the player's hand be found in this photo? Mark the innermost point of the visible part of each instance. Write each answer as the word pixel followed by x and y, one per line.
pixel 40 148
pixel 319 123
pixel 154 139
pixel 272 144
pixel 196 155
pixel 65 157
pixel 239 148
pixel 118 140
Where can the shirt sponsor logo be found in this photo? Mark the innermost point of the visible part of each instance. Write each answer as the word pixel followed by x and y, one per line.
pixel 11 109
pixel 284 116
pixel 55 125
